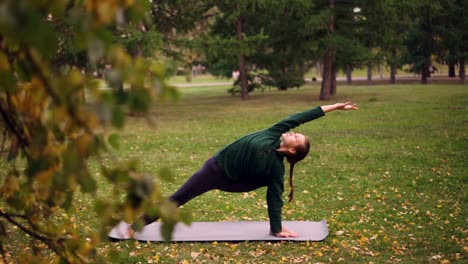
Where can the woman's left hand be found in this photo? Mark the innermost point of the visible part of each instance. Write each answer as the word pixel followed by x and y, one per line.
pixel 346 106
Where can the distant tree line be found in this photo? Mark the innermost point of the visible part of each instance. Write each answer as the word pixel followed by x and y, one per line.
pixel 277 42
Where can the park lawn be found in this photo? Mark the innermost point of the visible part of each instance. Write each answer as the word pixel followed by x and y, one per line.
pixel 389 178
pixel 198 79
pixel 359 72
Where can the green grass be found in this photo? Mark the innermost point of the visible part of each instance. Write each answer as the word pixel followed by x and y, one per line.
pixel 360 72
pixel 389 178
pixel 204 78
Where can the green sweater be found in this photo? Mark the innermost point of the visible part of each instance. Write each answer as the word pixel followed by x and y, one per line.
pixel 255 157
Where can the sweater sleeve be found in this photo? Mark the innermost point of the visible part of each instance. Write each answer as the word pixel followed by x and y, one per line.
pixel 275 202
pixel 296 120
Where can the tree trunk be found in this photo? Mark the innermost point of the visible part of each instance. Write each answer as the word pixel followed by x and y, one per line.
pixel 333 74
pixel 427 44
pixel 242 63
pixel 189 76
pixel 369 71
pixel 451 69
pixel 284 70
pixel 425 72
pixel 328 63
pixel 393 67
pixel 392 73
pixel 349 73
pixel 326 76
pixel 462 71
pixel 451 64
pixel 429 68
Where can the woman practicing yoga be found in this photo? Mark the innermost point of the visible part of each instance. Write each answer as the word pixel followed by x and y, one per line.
pixel 254 161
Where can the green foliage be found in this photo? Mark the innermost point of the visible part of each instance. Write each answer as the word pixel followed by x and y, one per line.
pixel 181 23
pixel 51 134
pixel 276 38
pixel 141 41
pixel 254 81
pixel 421 40
pixel 450 27
pixel 297 34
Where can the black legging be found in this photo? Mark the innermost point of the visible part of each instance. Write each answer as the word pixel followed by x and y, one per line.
pixel 208 178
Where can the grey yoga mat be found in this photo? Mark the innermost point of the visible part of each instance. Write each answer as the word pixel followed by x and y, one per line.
pixel 225 231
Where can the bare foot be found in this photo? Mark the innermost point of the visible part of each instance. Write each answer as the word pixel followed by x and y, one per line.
pixel 130 232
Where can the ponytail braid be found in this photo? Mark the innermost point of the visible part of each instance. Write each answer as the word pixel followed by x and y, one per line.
pixel 301 153
pixel 291 185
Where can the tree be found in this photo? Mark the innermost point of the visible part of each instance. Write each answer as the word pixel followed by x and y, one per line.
pixel 398 18
pixel 232 39
pixel 290 45
pixel 339 14
pixel 454 34
pixel 279 42
pixel 352 31
pixel 50 135
pixel 422 37
pixel 181 25
pixel 329 59
pixel 239 25
pixel 384 27
pixel 371 18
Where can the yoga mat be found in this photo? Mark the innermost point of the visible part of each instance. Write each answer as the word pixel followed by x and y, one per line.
pixel 226 231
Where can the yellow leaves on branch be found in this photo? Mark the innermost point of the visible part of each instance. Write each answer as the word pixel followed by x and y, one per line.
pixel 4 64
pixel 103 10
pixel 30 100
pixel 82 145
pixel 108 11
pixel 10 187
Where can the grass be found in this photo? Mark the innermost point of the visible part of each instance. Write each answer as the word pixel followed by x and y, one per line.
pixel 389 178
pixel 198 79
pixel 360 72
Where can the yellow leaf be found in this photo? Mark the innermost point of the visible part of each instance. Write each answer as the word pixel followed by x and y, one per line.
pixel 363 240
pixel 43 177
pixel 4 64
pixel 82 144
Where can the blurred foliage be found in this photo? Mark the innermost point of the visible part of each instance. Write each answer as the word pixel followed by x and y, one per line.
pixel 50 133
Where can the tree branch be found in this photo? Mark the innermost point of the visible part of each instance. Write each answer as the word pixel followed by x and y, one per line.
pixel 53 94
pixel 2 252
pixel 9 218
pixel 12 127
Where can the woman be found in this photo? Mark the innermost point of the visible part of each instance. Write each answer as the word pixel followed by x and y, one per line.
pixel 254 161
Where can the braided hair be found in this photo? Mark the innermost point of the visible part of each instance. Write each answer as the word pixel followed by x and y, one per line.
pixel 301 153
